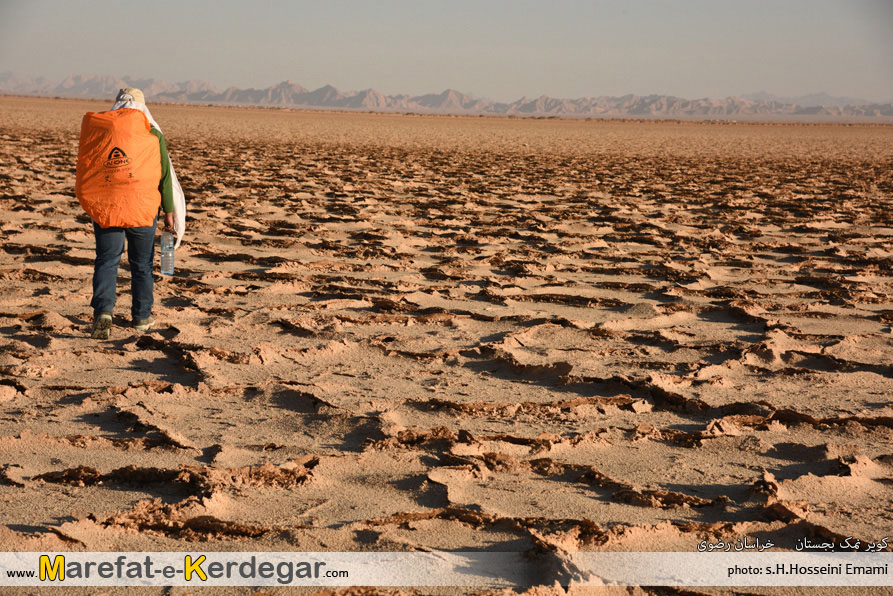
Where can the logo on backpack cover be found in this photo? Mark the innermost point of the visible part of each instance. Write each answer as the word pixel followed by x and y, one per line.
pixel 116 159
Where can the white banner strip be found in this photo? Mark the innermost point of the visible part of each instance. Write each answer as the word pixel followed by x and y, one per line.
pixel 487 569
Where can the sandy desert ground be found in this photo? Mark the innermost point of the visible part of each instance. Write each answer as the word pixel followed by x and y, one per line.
pixel 394 332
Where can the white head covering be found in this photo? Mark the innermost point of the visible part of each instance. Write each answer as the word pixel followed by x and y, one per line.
pixel 135 94
pixel 133 99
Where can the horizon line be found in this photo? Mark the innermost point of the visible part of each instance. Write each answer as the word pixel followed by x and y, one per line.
pixel 776 96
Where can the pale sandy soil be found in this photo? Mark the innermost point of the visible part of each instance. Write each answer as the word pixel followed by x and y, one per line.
pixel 401 332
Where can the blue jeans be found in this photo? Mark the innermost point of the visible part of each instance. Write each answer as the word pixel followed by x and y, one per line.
pixel 140 253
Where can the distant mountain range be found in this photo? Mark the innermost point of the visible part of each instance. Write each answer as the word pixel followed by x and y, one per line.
pixel 760 105
pixel 811 100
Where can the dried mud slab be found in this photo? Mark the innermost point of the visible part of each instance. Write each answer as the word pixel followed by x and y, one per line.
pixel 414 333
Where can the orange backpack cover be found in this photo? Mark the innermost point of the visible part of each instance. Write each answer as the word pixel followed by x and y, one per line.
pixel 119 169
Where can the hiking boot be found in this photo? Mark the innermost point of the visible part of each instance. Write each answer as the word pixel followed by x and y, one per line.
pixel 144 324
pixel 102 326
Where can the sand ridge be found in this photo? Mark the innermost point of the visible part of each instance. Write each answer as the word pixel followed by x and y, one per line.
pixel 408 333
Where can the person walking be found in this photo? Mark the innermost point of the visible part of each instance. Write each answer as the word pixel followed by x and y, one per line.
pixel 124 174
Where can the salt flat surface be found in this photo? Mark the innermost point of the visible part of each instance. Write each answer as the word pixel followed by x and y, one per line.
pixel 398 332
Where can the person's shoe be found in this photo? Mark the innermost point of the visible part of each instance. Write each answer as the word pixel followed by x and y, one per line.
pixel 144 324
pixel 102 326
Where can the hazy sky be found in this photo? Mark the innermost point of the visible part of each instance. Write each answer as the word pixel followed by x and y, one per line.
pixel 496 49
